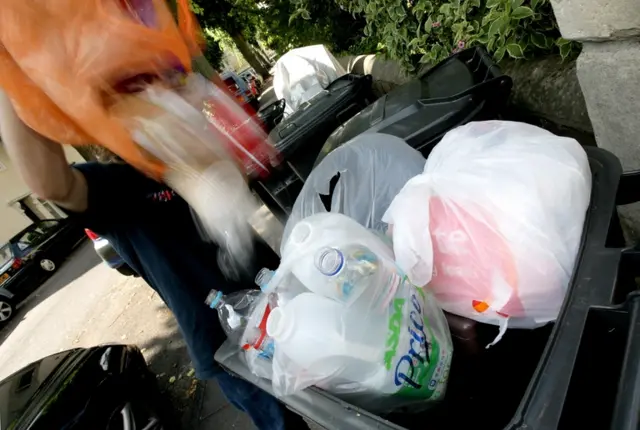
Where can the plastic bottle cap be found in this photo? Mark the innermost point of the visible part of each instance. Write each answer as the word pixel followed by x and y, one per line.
pixel 278 325
pixel 213 298
pixel 263 277
pixel 301 233
pixel 329 261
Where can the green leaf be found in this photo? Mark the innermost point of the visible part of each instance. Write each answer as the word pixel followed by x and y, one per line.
pixel 521 13
pixel 497 25
pixel 428 25
pixel 516 4
pixel 499 54
pixel 490 17
pixel 565 50
pixel 306 15
pixel 474 3
pixel 425 59
pixel 445 9
pixel 539 40
pixel 400 12
pixel 492 3
pixel 534 4
pixel 561 41
pixel 457 27
pixel 515 50
pixel 484 39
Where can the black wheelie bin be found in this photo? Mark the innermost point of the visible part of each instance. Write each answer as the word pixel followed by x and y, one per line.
pixel 299 137
pixel 581 372
pixel 467 86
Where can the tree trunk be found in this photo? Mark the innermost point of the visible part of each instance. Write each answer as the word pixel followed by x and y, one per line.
pixel 263 58
pixel 249 54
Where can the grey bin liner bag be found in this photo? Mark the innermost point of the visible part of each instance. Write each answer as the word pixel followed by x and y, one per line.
pixel 371 169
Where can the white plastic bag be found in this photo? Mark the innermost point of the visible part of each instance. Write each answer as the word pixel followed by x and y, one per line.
pixel 493 225
pixel 302 73
pixel 386 347
pixel 372 169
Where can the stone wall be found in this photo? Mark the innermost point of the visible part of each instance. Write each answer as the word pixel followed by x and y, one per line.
pixel 609 71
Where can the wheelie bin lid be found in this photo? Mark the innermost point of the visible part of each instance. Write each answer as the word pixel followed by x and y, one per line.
pixel 452 93
pixel 285 137
pixel 563 382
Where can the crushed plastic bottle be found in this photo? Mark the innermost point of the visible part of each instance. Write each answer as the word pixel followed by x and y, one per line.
pixel 233 309
pixel 243 316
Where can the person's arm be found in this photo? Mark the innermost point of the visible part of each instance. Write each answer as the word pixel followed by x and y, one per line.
pixel 41 162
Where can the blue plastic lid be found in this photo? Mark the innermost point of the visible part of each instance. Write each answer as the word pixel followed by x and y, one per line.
pixel 329 261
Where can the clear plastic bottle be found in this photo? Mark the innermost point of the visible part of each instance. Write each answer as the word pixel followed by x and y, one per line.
pixel 353 272
pixel 235 309
pixel 243 316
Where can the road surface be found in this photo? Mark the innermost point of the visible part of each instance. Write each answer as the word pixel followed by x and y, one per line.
pixel 85 304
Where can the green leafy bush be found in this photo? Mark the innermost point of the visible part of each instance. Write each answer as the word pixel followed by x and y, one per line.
pixel 416 32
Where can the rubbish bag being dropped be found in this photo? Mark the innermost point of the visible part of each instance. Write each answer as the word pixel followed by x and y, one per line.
pixel 70 69
pixel 61 61
pixel 362 331
pixel 493 225
pixel 367 172
pixel 199 166
pixel 304 72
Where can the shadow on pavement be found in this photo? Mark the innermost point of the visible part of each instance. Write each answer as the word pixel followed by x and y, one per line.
pixel 79 262
pixel 199 405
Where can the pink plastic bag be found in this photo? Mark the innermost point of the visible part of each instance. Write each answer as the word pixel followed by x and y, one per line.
pixel 493 224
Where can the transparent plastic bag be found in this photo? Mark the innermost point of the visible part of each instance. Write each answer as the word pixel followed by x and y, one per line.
pixel 302 73
pixel 200 166
pixel 387 346
pixel 493 225
pixel 371 169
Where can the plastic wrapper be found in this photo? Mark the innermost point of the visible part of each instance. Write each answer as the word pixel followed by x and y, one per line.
pixel 200 168
pixel 62 61
pixel 367 334
pixel 302 73
pixel 370 170
pixel 493 225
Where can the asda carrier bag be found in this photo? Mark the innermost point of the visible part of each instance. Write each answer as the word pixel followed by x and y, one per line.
pixel 361 330
pixel 493 225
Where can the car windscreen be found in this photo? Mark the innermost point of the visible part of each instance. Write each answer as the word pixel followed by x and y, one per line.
pixel 34 236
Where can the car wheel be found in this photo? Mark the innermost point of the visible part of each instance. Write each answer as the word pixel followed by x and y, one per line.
pixel 6 309
pixel 47 265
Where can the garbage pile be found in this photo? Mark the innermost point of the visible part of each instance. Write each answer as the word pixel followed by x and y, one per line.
pixel 489 230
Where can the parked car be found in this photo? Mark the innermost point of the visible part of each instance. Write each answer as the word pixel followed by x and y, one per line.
pixel 242 91
pixel 106 387
pixel 30 257
pixel 109 255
